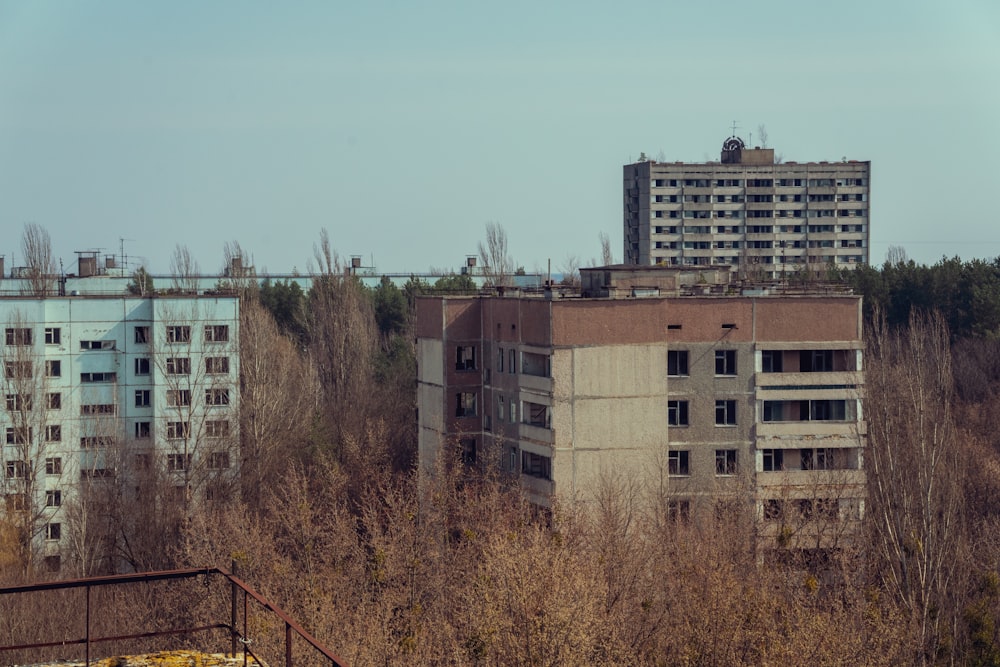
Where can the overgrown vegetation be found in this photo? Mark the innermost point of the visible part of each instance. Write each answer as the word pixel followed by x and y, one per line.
pixel 333 526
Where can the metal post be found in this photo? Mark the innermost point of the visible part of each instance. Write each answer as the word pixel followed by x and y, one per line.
pixel 246 638
pixel 288 645
pixel 86 634
pixel 232 609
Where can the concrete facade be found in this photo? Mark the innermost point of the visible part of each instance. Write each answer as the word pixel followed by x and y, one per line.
pixel 768 219
pixel 695 399
pixel 103 390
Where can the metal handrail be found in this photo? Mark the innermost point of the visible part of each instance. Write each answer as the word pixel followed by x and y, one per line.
pixel 236 584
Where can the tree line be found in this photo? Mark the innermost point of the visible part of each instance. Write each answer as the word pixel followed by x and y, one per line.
pixel 331 522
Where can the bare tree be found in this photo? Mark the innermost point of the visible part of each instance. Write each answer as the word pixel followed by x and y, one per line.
pixel 607 256
pixel 896 255
pixel 762 134
pixel 36 246
pixel 498 265
pixel 184 269
pixel 570 270
pixel 915 472
pixel 238 270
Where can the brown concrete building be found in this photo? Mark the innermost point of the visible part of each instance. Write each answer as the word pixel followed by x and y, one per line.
pixel 768 218
pixel 699 394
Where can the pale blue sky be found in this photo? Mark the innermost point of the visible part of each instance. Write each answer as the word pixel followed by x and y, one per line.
pixel 404 127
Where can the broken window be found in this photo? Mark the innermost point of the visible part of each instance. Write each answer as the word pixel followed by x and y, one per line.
pixel 53 531
pixel 17 370
pixel 465 358
pixel 774 509
pixel 535 414
pixel 815 361
pixel 18 469
pixel 178 462
pixel 535 364
pixel 218 460
pixel 98 345
pixel 53 498
pixel 142 430
pixel 217 428
pixel 53 433
pixel 679 510
pixel 53 368
pixel 53 400
pixel 90 378
pixel 53 335
pixel 18 402
pixel 465 404
pixel 816 459
pixel 142 334
pixel 177 430
pixel 53 465
pixel 142 398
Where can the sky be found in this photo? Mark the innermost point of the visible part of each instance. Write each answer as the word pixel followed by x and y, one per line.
pixel 403 128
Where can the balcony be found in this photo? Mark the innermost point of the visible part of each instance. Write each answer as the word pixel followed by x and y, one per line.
pixel 851 482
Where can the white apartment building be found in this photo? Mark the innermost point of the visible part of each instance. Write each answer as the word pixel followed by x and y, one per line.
pixel 106 390
pixel 771 219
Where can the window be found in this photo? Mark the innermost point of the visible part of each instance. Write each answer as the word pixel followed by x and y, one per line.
pixel 217 365
pixel 679 510
pixel 512 362
pixel 53 498
pixel 177 430
pixel 178 366
pixel 98 377
pixel 142 430
pixel 178 334
pixel 217 428
pixel 142 335
pixel 18 370
pixel 499 359
pixel 18 402
pixel 53 531
pixel 725 412
pixel 677 413
pixel 142 366
pixel 53 335
pixel 98 345
pixel 16 436
pixel 53 433
pixel 725 362
pixel 467 451
pixel 53 400
pixel 535 364
pixel 677 463
pixel 774 460
pixel 53 465
pixel 535 414
pixel 18 469
pixel 725 461
pixel 97 409
pixel 465 404
pixel 178 397
pixel 142 398
pixel 18 336
pixel 816 361
pixel 816 459
pixel 217 397
pixel 216 333
pixel 500 403
pixel 512 413
pixel 465 358
pixel 771 361
pixel 53 368
pixel 536 465
pixel 218 460
pixel 677 362
pixel 774 509
pixel 96 441
pixel 178 462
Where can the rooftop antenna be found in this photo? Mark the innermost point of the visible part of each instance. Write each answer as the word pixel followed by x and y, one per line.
pixel 121 251
pixel 734 128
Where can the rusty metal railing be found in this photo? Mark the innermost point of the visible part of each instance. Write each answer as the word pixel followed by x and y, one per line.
pixel 239 637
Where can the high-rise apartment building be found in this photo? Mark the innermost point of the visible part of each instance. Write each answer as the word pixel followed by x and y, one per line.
pixel 694 393
pixel 114 391
pixel 771 219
